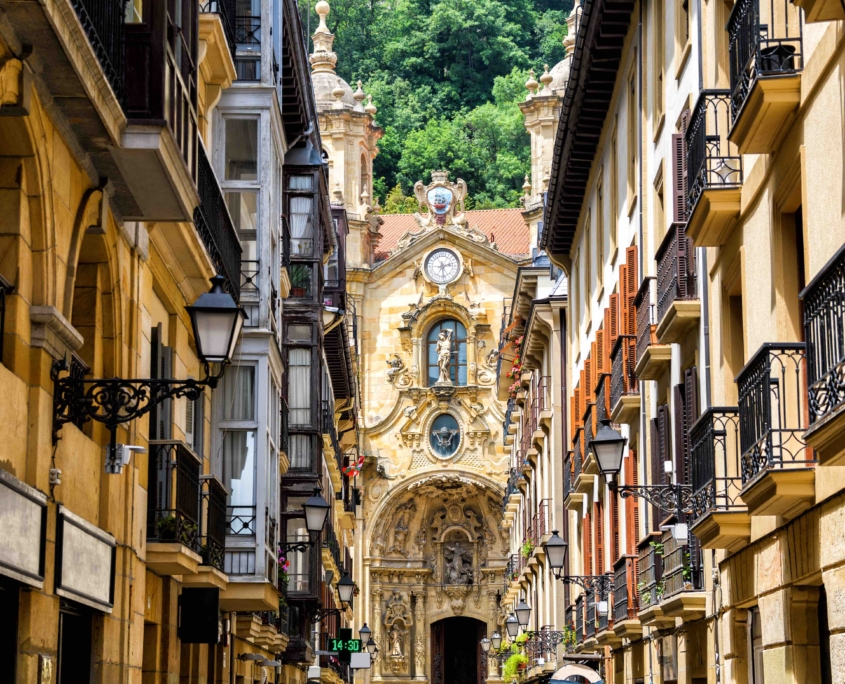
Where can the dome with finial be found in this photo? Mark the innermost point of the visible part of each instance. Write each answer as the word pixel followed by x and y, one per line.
pixel 560 71
pixel 323 61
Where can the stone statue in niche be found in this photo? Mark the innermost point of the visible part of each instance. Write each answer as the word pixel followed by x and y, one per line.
pixel 444 356
pixel 458 564
pixel 404 515
pixel 395 642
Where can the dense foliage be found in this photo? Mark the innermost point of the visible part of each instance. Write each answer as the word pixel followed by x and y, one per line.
pixel 446 76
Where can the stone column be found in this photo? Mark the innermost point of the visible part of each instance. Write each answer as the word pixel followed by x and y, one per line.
pixel 376 627
pixel 472 359
pixel 419 637
pixel 734 637
pixel 834 584
pixel 419 362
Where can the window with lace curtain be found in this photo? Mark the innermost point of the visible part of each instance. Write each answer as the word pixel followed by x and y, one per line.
pixel 300 215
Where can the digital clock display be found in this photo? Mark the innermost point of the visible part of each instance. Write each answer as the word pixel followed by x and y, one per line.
pixel 345 645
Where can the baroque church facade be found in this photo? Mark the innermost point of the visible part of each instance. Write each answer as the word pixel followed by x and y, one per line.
pixel 430 291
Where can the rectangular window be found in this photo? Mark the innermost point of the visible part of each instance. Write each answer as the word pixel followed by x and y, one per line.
pixel 299 386
pixel 755 646
pixel 631 142
pixel 298 332
pixel 614 194
pixel 73 659
pixel 241 154
pixel 681 30
pixel 238 395
pixel 299 571
pixel 299 451
pixel 243 208
pixel 300 281
pixel 301 183
pixel 301 226
pixel 194 424
pixel 600 230
pixel 238 454
pixel 588 260
pixel 659 69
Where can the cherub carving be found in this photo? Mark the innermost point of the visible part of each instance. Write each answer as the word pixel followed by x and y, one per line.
pixel 396 366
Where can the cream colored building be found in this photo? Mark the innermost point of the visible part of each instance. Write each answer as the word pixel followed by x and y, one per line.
pixel 695 208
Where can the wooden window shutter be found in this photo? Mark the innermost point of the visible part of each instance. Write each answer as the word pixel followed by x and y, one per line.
pixel 589 378
pixel 585 392
pixel 632 506
pixel 683 264
pixel 679 178
pixel 622 325
pixel 601 361
pixel 679 419
pixel 598 513
pixel 632 284
pixel 656 466
pixel 613 506
pixel 614 318
pixel 690 389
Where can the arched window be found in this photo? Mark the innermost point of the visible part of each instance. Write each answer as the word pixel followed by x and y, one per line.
pixel 458 361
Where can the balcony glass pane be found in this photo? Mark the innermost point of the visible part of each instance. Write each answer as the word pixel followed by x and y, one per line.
pixel 134 12
pixel 243 208
pixel 238 394
pixel 301 183
pixel 298 572
pixel 242 149
pixel 239 467
pixel 301 225
pixel 299 451
pixel 299 386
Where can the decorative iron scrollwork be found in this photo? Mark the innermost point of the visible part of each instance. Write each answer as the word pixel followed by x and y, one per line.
pixel 670 498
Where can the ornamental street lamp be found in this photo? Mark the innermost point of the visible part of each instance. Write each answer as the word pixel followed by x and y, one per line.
pixel 485 644
pixel 523 613
pixel 371 646
pixel 316 510
pixel 512 625
pixel 556 549
pixel 345 588
pixel 364 634
pixel 496 640
pixel 217 321
pixel 608 446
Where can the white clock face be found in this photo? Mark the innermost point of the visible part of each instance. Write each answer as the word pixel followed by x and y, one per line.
pixel 442 266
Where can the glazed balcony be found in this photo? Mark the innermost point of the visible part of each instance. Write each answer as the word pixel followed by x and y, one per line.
pixel 714 171
pixel 652 358
pixel 248 48
pixel 765 41
pixel 824 310
pixel 626 624
pixel 331 445
pixel 214 226
pixel 173 512
pixel 682 578
pixel 678 306
pixel 624 386
pixel 778 473
pixel 720 519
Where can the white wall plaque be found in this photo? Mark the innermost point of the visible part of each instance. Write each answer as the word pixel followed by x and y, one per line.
pixel 84 562
pixel 23 519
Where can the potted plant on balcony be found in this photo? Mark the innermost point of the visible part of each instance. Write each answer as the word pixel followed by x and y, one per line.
pixel 166 528
pixel 687 572
pixel 527 548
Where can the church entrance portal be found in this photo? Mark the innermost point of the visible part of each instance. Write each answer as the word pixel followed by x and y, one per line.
pixel 456 651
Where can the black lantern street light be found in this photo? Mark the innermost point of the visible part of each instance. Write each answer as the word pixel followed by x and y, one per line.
pixel 316 510
pixel 217 321
pixel 364 634
pixel 608 446
pixel 485 644
pixel 512 626
pixel 496 640
pixel 523 613
pixel 345 589
pixel 556 549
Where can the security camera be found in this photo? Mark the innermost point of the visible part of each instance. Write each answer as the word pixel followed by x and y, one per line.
pixel 119 457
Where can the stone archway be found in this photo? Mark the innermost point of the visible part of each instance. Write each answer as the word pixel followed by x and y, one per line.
pixel 456 651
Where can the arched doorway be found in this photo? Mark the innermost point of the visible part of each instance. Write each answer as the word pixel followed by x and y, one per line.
pixel 456 651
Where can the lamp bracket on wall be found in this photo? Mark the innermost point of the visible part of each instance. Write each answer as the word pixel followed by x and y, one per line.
pixel 116 401
pixel 599 585
pixel 673 498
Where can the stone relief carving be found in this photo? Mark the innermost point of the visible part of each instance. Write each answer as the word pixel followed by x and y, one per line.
pixel 458 564
pixel 397 372
pixel 397 622
pixel 457 597
pixel 402 526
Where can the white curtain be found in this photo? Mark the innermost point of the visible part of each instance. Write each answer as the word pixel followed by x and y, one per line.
pixel 301 231
pixel 300 182
pixel 299 386
pixel 300 452
pixel 239 467
pixel 239 394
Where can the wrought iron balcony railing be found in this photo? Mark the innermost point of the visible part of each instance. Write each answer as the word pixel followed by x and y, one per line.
pixel 715 462
pixel 330 429
pixel 602 410
pixel 579 619
pixel 649 575
pixel 625 603
pixel 577 456
pixel 590 615
pixel 675 269
pixel 103 23
pixel 568 473
pixel 330 542
pixel 824 311
pixel 213 530
pixel 772 410
pixel 623 377
pixel 250 274
pixel 542 520
pixel 173 503
pixel 646 328
pixel 681 565
pixel 712 161
pixel 214 225
pixel 589 428
pixel 764 39
pixel 225 9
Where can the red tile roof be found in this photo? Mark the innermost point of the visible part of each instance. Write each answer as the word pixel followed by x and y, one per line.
pixel 504 226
